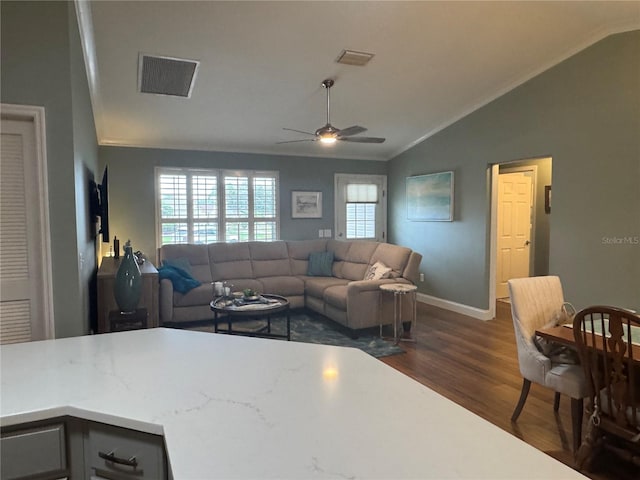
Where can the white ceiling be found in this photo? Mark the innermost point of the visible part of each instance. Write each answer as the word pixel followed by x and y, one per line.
pixel 262 64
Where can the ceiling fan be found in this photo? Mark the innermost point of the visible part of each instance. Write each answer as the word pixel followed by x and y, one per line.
pixel 329 134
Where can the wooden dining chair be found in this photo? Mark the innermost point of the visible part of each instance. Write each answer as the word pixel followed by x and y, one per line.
pixel 536 302
pixel 611 364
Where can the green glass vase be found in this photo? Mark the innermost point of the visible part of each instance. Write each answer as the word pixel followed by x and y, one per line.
pixel 128 284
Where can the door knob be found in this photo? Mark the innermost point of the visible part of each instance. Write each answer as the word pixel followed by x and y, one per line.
pixel 527 243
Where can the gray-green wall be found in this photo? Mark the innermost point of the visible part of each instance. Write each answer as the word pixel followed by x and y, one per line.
pixel 42 65
pixel 585 114
pixel 132 191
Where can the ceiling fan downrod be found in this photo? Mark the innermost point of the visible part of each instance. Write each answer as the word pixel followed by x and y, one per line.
pixel 328 83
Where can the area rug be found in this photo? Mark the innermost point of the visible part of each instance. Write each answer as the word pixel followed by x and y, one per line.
pixel 307 328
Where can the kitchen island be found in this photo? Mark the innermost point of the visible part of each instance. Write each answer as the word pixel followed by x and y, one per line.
pixel 239 407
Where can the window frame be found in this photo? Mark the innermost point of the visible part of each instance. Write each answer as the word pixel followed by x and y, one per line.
pixel 222 220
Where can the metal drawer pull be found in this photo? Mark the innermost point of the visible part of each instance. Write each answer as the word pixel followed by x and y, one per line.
pixel 111 457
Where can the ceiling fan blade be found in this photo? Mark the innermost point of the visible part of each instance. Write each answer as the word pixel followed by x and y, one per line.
pixel 356 129
pixel 299 131
pixel 296 141
pixel 362 139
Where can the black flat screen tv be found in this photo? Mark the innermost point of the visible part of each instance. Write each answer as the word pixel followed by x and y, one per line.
pixel 100 204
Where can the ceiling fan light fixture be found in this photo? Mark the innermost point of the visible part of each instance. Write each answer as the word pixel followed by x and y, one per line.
pixel 328 139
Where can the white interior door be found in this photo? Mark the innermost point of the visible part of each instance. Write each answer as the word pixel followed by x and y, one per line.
pixel 360 207
pixel 24 307
pixel 515 209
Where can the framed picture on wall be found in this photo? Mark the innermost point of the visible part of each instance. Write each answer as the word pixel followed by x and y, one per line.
pixel 430 197
pixel 547 199
pixel 306 204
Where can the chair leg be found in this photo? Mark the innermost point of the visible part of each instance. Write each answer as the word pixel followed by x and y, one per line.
pixel 589 448
pixel 526 385
pixel 556 402
pixel 577 409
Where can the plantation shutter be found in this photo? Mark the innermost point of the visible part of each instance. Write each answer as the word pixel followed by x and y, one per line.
pixel 15 304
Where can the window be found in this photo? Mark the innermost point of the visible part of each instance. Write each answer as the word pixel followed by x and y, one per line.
pixel 205 206
pixel 361 220
pixel 360 206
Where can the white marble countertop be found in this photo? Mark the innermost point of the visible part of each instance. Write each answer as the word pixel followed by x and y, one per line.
pixel 237 407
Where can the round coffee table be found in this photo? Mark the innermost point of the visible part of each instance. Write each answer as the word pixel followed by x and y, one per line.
pixel 263 308
pixel 399 290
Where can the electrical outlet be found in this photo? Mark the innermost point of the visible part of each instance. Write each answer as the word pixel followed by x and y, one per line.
pixel 327 233
pixel 422 277
pixel 320 233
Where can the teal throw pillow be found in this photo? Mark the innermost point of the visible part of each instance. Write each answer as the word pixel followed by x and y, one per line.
pixel 182 263
pixel 320 264
pixel 182 281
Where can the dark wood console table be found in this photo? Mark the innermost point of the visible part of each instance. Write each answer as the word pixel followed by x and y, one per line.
pixel 107 307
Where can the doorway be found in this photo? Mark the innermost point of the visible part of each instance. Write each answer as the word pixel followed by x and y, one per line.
pixel 520 223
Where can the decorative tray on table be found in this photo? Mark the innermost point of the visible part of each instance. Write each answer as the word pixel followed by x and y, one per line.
pixel 241 301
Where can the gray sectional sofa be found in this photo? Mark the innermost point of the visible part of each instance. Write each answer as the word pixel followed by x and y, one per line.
pixel 282 267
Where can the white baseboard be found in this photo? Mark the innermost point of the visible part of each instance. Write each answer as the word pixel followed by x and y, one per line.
pixel 456 307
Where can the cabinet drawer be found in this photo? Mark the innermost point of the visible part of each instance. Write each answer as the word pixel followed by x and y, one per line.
pixel 33 451
pixel 122 454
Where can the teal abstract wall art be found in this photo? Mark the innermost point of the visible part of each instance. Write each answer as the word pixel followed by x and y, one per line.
pixel 430 197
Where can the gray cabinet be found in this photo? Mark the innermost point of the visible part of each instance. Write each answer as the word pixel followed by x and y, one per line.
pixel 37 450
pixel 72 448
pixel 119 453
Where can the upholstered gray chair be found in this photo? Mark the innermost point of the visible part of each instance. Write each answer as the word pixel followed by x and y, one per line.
pixel 536 302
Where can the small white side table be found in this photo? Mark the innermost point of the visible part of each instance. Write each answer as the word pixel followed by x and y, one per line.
pixel 399 290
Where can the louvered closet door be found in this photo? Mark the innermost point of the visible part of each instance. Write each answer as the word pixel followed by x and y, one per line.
pixel 20 270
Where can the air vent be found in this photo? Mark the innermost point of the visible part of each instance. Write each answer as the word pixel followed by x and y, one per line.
pixel 166 75
pixel 351 57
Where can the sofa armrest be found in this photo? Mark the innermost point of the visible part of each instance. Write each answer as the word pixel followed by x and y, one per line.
pixel 166 301
pixel 359 286
pixel 365 304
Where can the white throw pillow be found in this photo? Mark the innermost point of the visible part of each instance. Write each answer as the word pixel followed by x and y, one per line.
pixel 377 271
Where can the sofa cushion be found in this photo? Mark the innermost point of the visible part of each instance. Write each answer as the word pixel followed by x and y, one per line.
pixel 393 256
pixel 299 252
pixel 230 260
pixel 315 286
pixel 340 250
pixel 357 259
pixel 269 259
pixel 200 295
pixel 285 285
pixel 196 255
pixel 337 296
pixel 320 264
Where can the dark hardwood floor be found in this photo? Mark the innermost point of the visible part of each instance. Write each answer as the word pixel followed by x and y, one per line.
pixel 474 363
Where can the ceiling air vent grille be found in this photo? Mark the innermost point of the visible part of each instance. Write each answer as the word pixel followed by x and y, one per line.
pixel 351 57
pixel 166 75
